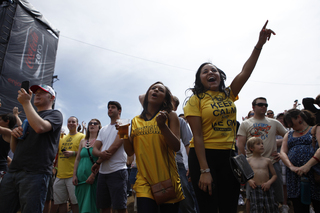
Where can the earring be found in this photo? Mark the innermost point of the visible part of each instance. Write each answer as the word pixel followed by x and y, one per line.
pixel 300 122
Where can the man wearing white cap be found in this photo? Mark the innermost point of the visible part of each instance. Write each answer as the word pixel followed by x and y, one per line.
pixel 25 185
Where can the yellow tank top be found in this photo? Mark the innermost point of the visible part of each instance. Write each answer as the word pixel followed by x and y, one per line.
pixel 152 155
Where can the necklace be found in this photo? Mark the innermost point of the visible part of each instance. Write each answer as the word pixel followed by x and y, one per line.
pixel 90 143
pixel 301 132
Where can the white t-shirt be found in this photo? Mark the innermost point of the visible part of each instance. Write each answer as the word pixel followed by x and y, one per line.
pixel 266 129
pixel 118 161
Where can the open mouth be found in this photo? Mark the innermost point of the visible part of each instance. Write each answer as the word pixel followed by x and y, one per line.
pixel 211 79
pixel 154 95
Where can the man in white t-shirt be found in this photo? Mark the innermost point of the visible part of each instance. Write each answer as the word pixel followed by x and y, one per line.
pixel 267 129
pixel 113 176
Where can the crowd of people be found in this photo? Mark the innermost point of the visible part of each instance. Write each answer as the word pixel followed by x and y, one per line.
pixel 89 169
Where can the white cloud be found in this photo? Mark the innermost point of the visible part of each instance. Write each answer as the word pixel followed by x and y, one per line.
pixel 180 34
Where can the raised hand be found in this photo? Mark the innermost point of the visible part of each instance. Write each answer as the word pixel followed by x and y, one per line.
pixel 15 111
pixel 23 96
pixel 265 35
pixel 162 118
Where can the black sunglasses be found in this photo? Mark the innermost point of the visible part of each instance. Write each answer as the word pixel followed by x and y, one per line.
pixel 93 123
pixel 262 104
pixel 270 113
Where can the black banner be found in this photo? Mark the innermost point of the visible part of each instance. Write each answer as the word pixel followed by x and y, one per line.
pixel 30 53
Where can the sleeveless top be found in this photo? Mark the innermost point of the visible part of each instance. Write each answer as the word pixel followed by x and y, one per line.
pixel 4 150
pixel 300 151
pixel 152 155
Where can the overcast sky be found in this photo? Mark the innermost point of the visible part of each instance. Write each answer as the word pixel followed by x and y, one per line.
pixel 114 50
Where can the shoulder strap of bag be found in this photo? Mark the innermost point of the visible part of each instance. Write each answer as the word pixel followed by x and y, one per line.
pixel 168 149
pixel 314 136
pixel 90 156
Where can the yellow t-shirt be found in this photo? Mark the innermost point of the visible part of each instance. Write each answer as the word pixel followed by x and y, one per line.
pixel 66 165
pixel 152 158
pixel 218 116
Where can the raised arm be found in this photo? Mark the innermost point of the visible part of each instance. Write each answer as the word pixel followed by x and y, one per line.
pixel 35 121
pixel 16 113
pixel 308 103
pixel 128 146
pixel 172 133
pixel 6 133
pixel 248 67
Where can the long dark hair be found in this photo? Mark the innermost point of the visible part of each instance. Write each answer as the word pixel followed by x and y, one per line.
pixel 198 86
pixel 306 115
pixel 88 132
pixel 166 105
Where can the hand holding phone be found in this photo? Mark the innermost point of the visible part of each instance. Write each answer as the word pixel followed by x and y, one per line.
pixel 24 98
pixel 25 86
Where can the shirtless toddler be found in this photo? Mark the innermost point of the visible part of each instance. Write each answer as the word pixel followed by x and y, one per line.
pixel 261 195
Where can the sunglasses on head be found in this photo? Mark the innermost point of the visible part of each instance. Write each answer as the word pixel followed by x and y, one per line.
pixel 262 104
pixel 93 123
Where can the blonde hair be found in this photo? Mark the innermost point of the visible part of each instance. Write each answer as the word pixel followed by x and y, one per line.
pixel 252 141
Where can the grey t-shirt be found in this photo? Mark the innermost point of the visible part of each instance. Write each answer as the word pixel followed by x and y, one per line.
pixel 185 137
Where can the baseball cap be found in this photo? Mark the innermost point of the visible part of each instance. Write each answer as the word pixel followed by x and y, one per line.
pixel 44 87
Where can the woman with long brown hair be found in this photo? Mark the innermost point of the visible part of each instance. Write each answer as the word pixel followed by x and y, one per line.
pixel 84 180
pixel 154 138
pixel 211 113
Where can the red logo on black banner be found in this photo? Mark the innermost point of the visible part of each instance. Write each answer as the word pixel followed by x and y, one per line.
pixel 33 52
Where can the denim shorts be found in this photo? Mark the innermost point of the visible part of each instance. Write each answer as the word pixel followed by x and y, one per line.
pixel 112 190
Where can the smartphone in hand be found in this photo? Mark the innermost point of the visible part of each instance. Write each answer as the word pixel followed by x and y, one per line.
pixel 25 86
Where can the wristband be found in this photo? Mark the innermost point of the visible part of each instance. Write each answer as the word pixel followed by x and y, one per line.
pixel 56 168
pixel 74 153
pixel 316 159
pixel 204 170
pixel 98 163
pixel 257 48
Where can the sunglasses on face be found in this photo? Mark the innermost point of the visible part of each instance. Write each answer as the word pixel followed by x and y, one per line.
pixel 262 104
pixel 270 113
pixel 93 123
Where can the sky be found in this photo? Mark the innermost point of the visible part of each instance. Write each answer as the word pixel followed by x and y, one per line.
pixel 114 50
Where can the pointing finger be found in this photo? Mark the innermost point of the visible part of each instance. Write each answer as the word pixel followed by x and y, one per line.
pixel 265 25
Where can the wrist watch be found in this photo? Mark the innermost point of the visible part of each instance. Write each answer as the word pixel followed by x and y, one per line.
pixel 204 170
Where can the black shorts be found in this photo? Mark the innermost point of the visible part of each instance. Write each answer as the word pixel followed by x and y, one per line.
pixel 114 184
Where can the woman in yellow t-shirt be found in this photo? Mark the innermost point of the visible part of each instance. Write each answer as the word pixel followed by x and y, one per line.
pixel 211 114
pixel 154 140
